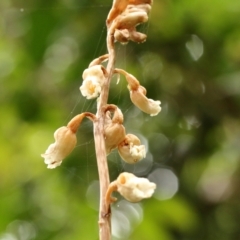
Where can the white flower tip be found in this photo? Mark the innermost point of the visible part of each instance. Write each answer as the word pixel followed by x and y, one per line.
pixel 130 149
pixel 90 88
pixel 93 79
pixel 53 165
pixel 65 141
pixel 155 107
pixel 145 104
pixel 137 152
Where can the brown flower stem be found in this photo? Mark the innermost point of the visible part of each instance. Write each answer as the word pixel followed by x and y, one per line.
pixel 104 208
pixel 111 188
pixel 132 81
pixel 76 121
pixel 98 60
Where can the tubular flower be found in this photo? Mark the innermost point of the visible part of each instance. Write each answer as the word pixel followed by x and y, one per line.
pixel 132 188
pixel 131 150
pixel 93 79
pixel 147 105
pixel 138 95
pixel 65 141
pixel 114 131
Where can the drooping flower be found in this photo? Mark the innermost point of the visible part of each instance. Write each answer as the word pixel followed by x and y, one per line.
pixel 65 141
pixel 132 188
pixel 147 105
pixel 114 131
pixel 131 150
pixel 138 95
pixel 93 79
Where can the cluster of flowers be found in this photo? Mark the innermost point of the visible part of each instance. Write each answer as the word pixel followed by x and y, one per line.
pixel 95 75
pixel 129 146
pixel 124 17
pixel 122 20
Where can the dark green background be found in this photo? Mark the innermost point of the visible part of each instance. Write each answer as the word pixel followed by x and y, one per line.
pixel 190 62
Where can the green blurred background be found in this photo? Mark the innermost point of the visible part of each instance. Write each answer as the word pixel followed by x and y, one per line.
pixel 190 62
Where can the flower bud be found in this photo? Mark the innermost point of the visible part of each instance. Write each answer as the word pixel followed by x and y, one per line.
pixel 93 79
pixel 132 188
pixel 65 141
pixel 131 150
pixel 114 131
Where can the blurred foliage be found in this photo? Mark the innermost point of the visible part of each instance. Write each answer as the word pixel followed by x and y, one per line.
pixel 190 62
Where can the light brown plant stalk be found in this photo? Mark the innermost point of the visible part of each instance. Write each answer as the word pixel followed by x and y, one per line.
pixel 109 131
pixel 104 208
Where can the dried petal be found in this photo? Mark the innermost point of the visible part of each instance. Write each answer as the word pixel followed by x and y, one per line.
pixel 124 36
pixel 120 6
pixel 130 20
pixel 137 36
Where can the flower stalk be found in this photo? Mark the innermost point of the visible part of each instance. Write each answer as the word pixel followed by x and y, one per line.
pixel 104 207
pixel 108 129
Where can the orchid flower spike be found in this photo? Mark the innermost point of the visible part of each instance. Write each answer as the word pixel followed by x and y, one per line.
pixel 65 141
pixel 93 79
pixel 138 95
pixel 132 188
pixel 114 131
pixel 131 150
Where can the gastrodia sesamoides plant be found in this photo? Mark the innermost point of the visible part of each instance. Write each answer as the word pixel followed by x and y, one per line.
pixel 108 121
